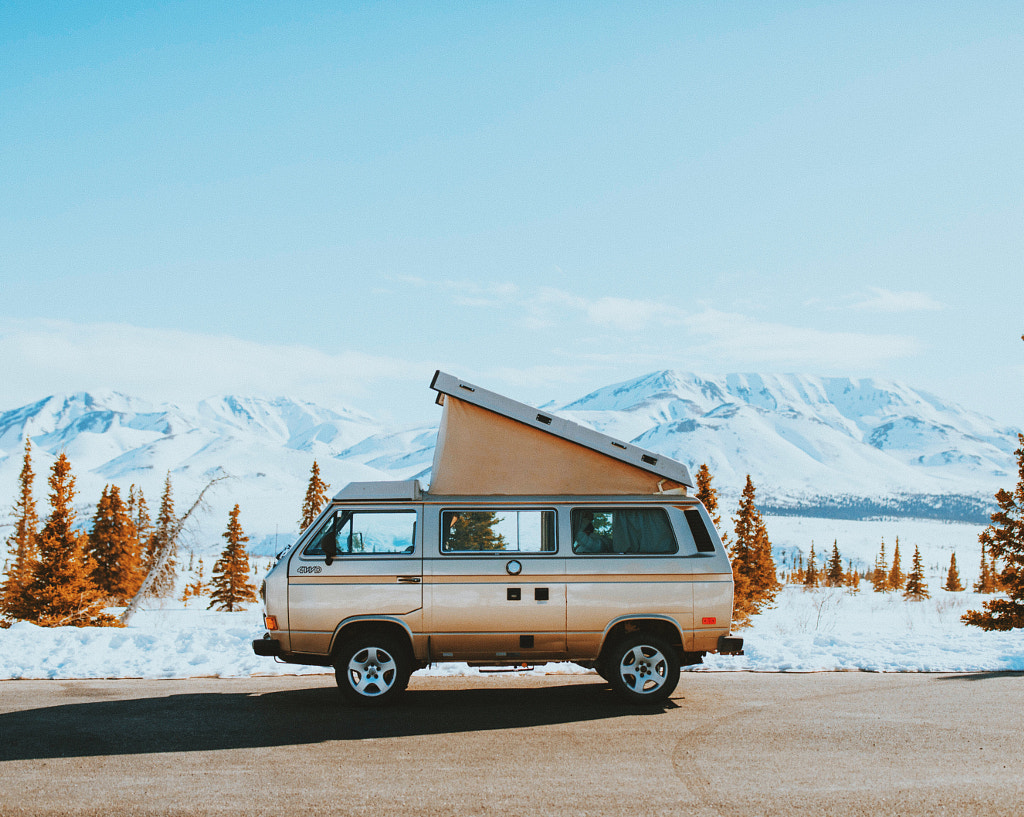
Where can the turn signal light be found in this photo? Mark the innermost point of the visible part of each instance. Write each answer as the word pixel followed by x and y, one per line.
pixel 709 620
pixel 270 622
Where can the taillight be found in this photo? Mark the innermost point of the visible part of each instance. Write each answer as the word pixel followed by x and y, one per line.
pixel 709 620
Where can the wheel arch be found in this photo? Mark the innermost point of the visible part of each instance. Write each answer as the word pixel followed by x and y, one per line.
pixel 663 626
pixel 363 625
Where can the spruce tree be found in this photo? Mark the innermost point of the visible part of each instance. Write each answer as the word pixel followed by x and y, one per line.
pixel 765 575
pixel 707 494
pixel 62 591
pixel 852 577
pixel 834 576
pixel 811 578
pixel 162 549
pixel 1004 540
pixel 985 583
pixel 754 582
pixel 22 545
pixel 230 579
pixel 138 512
pixel 916 588
pixel 897 578
pixel 474 530
pixel 880 575
pixel 197 587
pixel 953 583
pixel 316 498
pixel 113 550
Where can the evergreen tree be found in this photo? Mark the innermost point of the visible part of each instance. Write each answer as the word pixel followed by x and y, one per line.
pixel 1004 540
pixel 230 579
pixel 916 586
pixel 316 497
pixel 811 578
pixel 138 512
pixel 196 587
pixel 474 530
pixel 897 578
pixel 986 574
pixel 707 494
pixel 764 575
pixel 834 576
pixel 880 575
pixel 22 545
pixel 113 551
pixel 162 549
pixel 953 583
pixel 754 582
pixel 852 577
pixel 170 539
pixel 62 591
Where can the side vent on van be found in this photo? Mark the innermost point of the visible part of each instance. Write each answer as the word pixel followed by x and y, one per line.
pixel 541 418
pixel 649 459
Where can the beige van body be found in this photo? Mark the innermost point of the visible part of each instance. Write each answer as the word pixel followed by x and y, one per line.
pixel 391 578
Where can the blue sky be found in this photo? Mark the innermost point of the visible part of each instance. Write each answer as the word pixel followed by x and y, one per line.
pixel 330 201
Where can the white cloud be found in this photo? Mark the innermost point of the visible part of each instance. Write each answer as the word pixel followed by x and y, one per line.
pixel 884 300
pixel 733 338
pixel 551 307
pixel 45 357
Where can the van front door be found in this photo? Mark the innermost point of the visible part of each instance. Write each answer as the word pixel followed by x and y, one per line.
pixel 497 588
pixel 360 562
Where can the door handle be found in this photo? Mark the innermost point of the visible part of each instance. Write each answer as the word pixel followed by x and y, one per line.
pixel 410 579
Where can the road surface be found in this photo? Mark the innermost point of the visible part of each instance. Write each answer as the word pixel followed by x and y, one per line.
pixel 725 744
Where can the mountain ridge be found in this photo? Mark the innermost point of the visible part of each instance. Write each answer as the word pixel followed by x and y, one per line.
pixel 812 445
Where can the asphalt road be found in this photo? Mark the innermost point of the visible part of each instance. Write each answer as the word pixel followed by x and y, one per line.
pixel 726 743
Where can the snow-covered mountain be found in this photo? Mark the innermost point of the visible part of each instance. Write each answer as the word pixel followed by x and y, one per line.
pixel 827 446
pixel 814 443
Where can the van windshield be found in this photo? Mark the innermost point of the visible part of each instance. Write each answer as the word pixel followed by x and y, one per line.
pixel 364 532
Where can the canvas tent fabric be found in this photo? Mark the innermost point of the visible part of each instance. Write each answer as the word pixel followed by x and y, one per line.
pixel 482 452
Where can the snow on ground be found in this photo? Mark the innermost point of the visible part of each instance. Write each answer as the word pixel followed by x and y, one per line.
pixel 819 630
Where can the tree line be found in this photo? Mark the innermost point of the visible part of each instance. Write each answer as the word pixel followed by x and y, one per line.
pixel 756 582
pixel 60 575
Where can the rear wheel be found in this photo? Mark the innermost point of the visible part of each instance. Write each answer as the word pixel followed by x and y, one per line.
pixel 373 669
pixel 643 668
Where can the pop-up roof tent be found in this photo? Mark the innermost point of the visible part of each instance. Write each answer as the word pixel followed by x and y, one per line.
pixel 490 445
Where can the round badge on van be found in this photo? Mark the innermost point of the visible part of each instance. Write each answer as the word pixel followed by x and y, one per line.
pixel 514 568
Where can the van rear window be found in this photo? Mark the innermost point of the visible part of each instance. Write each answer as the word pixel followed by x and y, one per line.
pixel 622 530
pixel 701 537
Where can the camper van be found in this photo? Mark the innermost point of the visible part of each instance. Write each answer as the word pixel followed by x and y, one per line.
pixel 538 540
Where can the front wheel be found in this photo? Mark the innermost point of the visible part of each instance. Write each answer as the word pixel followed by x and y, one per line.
pixel 373 669
pixel 643 668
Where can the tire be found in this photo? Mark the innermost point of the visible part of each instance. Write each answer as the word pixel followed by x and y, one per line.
pixel 373 669
pixel 643 668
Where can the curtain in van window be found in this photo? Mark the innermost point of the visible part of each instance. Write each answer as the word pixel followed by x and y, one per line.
pixel 642 530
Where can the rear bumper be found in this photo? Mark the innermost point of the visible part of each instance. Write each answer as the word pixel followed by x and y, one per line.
pixel 267 647
pixel 730 645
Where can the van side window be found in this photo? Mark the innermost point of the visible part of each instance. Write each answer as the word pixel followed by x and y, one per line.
pixel 501 531
pixel 622 530
pixel 701 537
pixel 357 533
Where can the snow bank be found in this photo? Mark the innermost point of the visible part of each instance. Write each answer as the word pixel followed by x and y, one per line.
pixel 815 631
